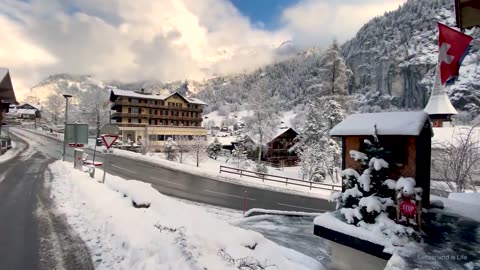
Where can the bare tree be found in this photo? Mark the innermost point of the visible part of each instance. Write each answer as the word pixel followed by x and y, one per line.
pixel 198 148
pixel 94 102
pixel 55 108
pixel 263 119
pixel 457 161
pixel 183 145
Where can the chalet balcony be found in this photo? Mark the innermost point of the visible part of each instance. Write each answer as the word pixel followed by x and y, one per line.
pixel 154 116
pixel 118 104
pixel 121 124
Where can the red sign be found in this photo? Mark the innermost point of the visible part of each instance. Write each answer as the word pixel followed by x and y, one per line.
pixel 78 145
pixel 108 140
pixel 408 208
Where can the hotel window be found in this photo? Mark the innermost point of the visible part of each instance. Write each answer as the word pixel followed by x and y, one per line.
pixel 135 120
pixel 151 101
pixel 134 100
pixel 135 110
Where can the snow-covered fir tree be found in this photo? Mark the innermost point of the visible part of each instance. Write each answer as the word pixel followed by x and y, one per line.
pixel 319 154
pixel 171 149
pixel 214 149
pixel 332 77
pixel 368 191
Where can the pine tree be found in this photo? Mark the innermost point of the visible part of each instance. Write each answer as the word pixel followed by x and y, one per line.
pixel 367 191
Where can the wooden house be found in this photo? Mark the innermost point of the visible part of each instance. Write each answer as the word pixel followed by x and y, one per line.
pixel 278 149
pixel 407 135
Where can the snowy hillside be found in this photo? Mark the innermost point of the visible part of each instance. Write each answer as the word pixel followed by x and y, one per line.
pixel 393 57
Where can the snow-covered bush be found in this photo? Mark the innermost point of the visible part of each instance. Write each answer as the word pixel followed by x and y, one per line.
pixel 171 149
pixel 369 194
pixel 214 149
pixel 260 167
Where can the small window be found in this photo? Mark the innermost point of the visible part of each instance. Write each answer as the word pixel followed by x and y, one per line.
pixel 134 100
pixel 135 120
pixel 152 137
pixel 160 137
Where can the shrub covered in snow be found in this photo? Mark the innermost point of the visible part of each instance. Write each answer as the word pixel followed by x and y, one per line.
pixel 171 149
pixel 369 195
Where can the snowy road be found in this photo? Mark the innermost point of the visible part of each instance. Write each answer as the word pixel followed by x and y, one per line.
pixel 188 186
pixel 32 236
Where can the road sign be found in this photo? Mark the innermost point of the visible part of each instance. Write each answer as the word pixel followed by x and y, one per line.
pixel 108 140
pixel 76 134
pixel 110 129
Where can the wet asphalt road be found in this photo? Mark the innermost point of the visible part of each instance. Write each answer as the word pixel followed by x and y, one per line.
pixel 188 186
pixel 32 235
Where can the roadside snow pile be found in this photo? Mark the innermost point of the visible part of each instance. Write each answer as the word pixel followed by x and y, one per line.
pixel 384 231
pixel 12 152
pixel 470 198
pixel 460 204
pixel 168 235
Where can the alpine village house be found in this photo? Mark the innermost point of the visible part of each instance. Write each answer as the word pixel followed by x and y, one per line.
pixel 139 114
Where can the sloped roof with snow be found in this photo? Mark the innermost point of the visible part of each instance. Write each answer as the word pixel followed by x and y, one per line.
pixel 26 111
pixel 440 104
pixel 387 123
pixel 127 93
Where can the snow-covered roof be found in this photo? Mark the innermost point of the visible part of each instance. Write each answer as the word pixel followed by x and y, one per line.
pixel 127 93
pixel 7 93
pixel 440 104
pixel 280 131
pixel 387 123
pixel 26 111
pixel 223 140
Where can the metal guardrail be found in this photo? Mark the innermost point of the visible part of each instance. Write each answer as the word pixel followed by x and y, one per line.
pixel 279 179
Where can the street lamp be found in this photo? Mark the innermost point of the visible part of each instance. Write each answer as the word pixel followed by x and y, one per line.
pixel 66 96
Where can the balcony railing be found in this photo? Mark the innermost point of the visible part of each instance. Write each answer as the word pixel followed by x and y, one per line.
pixel 155 116
pixel 153 106
pixel 121 124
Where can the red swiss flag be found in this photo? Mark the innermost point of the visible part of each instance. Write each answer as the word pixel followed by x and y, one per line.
pixel 453 46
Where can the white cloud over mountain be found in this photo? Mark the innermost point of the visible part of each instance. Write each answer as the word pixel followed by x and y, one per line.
pixel 164 40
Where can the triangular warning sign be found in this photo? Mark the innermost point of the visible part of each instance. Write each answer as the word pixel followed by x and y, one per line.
pixel 108 140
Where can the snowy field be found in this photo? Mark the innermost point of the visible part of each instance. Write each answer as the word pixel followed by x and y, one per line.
pixel 170 234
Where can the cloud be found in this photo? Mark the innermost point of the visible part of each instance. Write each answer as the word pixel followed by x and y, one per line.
pixel 318 22
pixel 163 40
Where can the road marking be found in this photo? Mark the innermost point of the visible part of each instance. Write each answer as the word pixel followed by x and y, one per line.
pixel 171 182
pixel 123 169
pixel 301 207
pixel 229 195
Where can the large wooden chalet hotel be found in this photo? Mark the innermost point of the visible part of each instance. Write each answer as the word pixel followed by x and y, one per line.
pixel 139 114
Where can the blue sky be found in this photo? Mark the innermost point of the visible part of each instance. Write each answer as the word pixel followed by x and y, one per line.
pixel 266 13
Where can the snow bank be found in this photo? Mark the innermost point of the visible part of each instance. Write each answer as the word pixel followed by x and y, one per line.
pixel 470 198
pixel 464 207
pixel 12 152
pixel 384 232
pixel 260 211
pixel 168 235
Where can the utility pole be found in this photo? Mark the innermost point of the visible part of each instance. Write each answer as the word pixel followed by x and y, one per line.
pixel 66 96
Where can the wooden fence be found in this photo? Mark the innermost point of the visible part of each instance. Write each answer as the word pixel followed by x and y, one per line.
pixel 280 179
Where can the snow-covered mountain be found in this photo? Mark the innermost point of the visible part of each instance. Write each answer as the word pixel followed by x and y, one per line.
pixel 392 58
